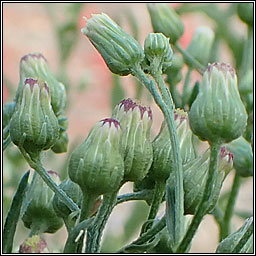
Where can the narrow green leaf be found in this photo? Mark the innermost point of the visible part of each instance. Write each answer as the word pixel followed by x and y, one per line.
pixel 13 215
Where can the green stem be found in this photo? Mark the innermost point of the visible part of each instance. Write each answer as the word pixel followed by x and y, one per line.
pixel 141 195
pixel 157 199
pixel 95 231
pixel 199 67
pixel 87 204
pixel 146 236
pixel 225 227
pixel 185 95
pixel 204 204
pixel 37 166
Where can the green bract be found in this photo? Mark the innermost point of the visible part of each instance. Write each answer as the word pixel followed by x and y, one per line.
pixel 161 166
pixel 229 243
pixel 96 165
pixel 120 51
pixel 39 214
pixel 200 45
pixel 195 177
pixel 158 51
pixel 34 125
pixel 136 147
pixel 243 157
pixel 218 114
pixel 165 20
pixel 35 66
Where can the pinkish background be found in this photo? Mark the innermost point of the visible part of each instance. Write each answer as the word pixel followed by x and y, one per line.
pixel 27 28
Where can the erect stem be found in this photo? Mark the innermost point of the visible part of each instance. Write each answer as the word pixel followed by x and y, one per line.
pixel 37 166
pixel 199 67
pixel 157 199
pixel 95 230
pixel 225 227
pixel 204 204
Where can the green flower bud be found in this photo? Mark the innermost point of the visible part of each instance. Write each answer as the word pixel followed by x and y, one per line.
pixel 245 12
pixel 165 20
pixel 174 74
pixel 34 244
pixel 120 51
pixel 243 157
pixel 34 125
pixel 35 65
pixel 8 110
pixel 162 149
pixel 229 243
pixel 39 214
pixel 218 114
pixel 96 165
pixel 73 191
pixel 136 147
pixel 195 177
pixel 158 51
pixel 200 45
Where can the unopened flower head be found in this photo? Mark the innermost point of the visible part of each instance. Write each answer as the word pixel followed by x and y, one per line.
pixel 218 114
pixel 158 51
pixel 243 156
pixel 200 45
pixel 96 165
pixel 38 209
pixel 120 51
pixel 34 65
pixel 34 244
pixel 34 125
pixel 136 147
pixel 165 20
pixel 161 167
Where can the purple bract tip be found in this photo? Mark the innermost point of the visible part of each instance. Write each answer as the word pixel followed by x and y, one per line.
pixel 31 82
pixel 130 104
pixel 224 67
pixel 53 173
pixel 33 55
pixel 110 121
pixel 224 153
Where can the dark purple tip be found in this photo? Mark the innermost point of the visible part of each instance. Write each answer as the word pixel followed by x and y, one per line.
pixel 31 82
pixel 33 55
pixel 177 115
pixel 110 121
pixel 53 173
pixel 224 153
pixel 223 67
pixel 130 104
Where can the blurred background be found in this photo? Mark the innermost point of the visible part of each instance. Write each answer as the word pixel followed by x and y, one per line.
pixel 54 31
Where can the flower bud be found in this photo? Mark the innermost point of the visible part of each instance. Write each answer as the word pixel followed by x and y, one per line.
pixel 245 12
pixel 34 244
pixel 174 74
pixel 96 165
pixel 165 20
pixel 162 149
pixel 8 110
pixel 120 51
pixel 229 243
pixel 73 191
pixel 34 125
pixel 136 147
pixel 218 114
pixel 158 51
pixel 61 146
pixel 200 45
pixel 243 157
pixel 39 214
pixel 195 177
pixel 35 65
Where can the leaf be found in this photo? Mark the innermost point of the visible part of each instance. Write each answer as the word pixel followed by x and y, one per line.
pixel 14 214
